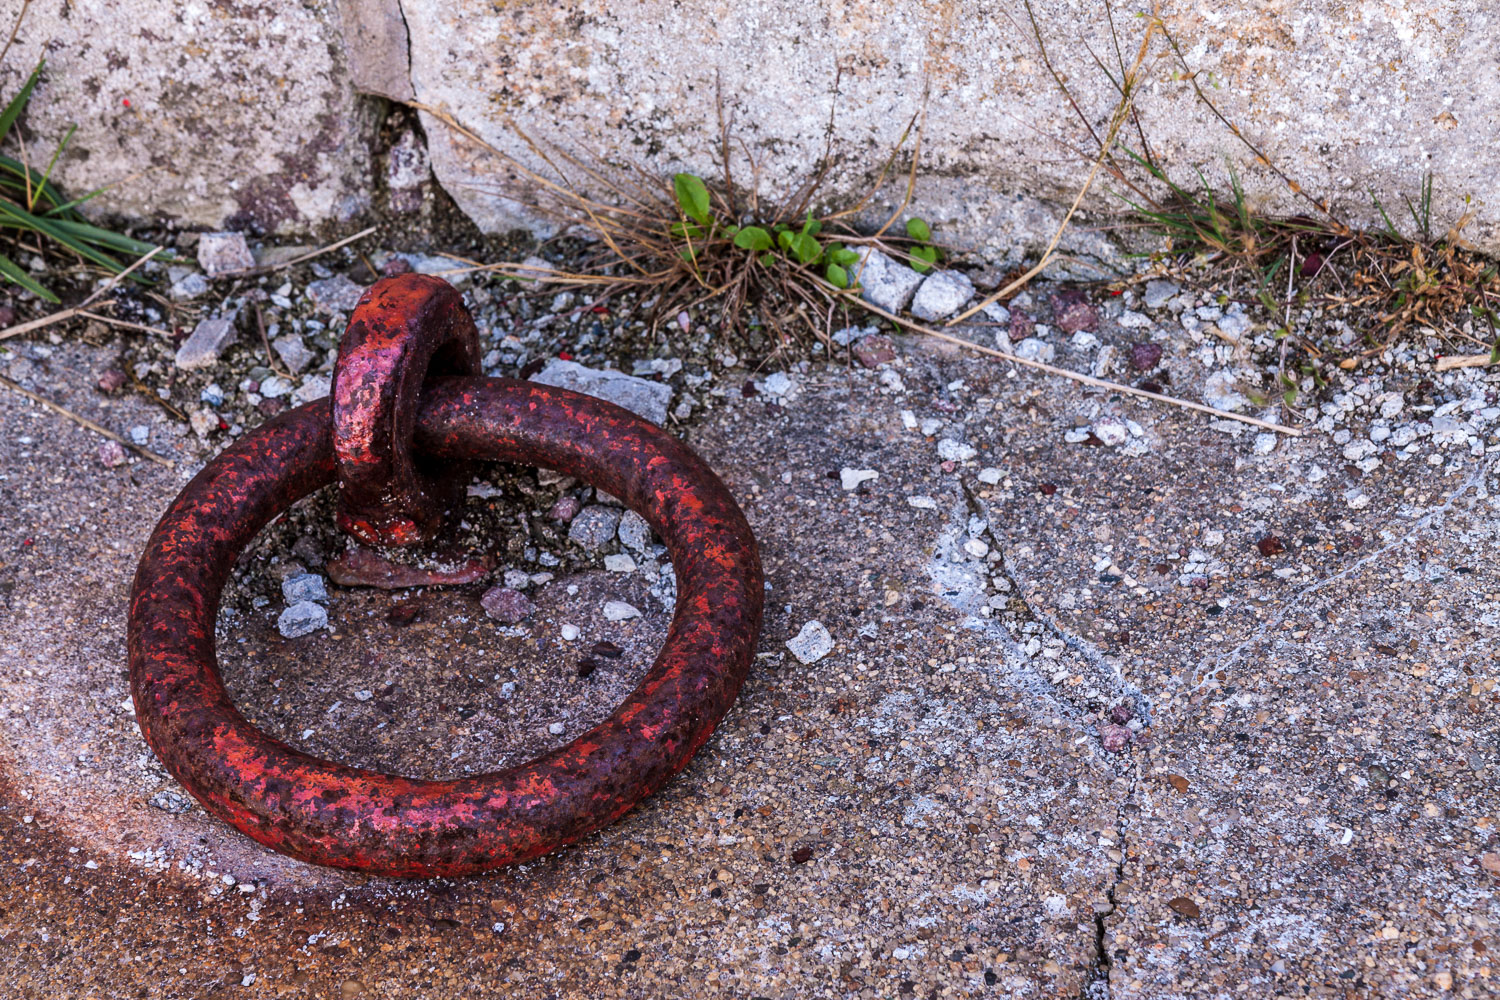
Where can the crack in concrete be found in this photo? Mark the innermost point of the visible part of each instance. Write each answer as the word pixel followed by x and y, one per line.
pixel 1421 524
pixel 959 589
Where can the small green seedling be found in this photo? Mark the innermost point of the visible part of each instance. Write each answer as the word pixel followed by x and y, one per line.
pixel 781 242
pixel 924 254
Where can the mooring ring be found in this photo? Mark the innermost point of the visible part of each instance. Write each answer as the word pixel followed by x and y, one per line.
pixel 334 814
pixel 404 330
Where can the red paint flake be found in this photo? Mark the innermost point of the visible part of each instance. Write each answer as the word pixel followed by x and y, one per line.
pixel 564 356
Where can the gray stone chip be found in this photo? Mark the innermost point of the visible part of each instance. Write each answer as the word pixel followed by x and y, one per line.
pixel 207 342
pixel 941 295
pixel 302 618
pixel 646 399
pixel 595 527
pixel 884 282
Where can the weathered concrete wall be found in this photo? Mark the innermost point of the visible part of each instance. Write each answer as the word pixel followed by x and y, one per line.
pixel 1346 95
pixel 208 111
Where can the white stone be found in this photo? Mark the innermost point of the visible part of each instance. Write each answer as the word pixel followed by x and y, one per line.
pixel 570 633
pixel 1035 349
pixel 955 451
pixel 942 294
pixel 312 387
pixel 1111 430
pixel 275 387
pixel 1159 292
pixel 885 283
pixel 989 476
pixel 219 253
pixel 304 587
pixel 1220 392
pixel 618 611
pixel 293 352
pixel 850 479
pixel 811 644
pixel 619 562
pixel 302 618
pixel 208 340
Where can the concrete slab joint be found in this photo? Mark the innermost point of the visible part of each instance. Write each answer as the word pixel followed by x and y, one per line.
pixel 379 47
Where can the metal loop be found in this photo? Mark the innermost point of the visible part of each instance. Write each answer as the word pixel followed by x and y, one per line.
pixel 338 815
pixel 403 331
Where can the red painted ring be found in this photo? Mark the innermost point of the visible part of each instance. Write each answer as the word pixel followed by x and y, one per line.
pixel 347 817
pixel 404 330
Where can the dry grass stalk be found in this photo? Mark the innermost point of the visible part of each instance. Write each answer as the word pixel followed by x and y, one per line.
pixel 85 422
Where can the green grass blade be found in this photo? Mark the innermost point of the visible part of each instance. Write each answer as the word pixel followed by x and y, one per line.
pixel 15 175
pixel 13 271
pixel 18 103
pixel 14 216
pixel 47 174
pixel 105 238
pixel 1390 227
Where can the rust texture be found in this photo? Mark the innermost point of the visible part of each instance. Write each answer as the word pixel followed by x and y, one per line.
pixel 404 330
pixel 333 814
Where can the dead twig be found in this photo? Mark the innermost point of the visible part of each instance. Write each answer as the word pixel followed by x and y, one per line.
pixel 82 308
pixel 271 268
pixel 85 422
pixel 1117 119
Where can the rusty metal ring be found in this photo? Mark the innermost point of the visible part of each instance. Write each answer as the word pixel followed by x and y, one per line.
pixel 403 331
pixel 347 817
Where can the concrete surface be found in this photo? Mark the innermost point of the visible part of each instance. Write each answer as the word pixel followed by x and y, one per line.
pixel 248 114
pixel 216 114
pixel 1305 805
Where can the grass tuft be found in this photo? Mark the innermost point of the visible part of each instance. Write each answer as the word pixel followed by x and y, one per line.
pixel 32 206
pixel 779 272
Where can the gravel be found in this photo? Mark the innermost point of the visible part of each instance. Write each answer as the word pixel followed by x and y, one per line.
pixel 112 454
pixel 634 532
pixel 304 587
pixel 335 295
pixel 302 618
pixel 222 252
pixel 506 605
pixel 207 341
pixel 1160 292
pixel 1036 349
pixel 618 611
pixel 293 352
pixel 595 526
pixel 884 283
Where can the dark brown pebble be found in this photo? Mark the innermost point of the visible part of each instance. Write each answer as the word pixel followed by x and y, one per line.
pixel 1185 906
pixel 587 665
pixel 607 649
pixel 1271 546
pixel 802 855
pixel 1145 356
pixel 404 613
